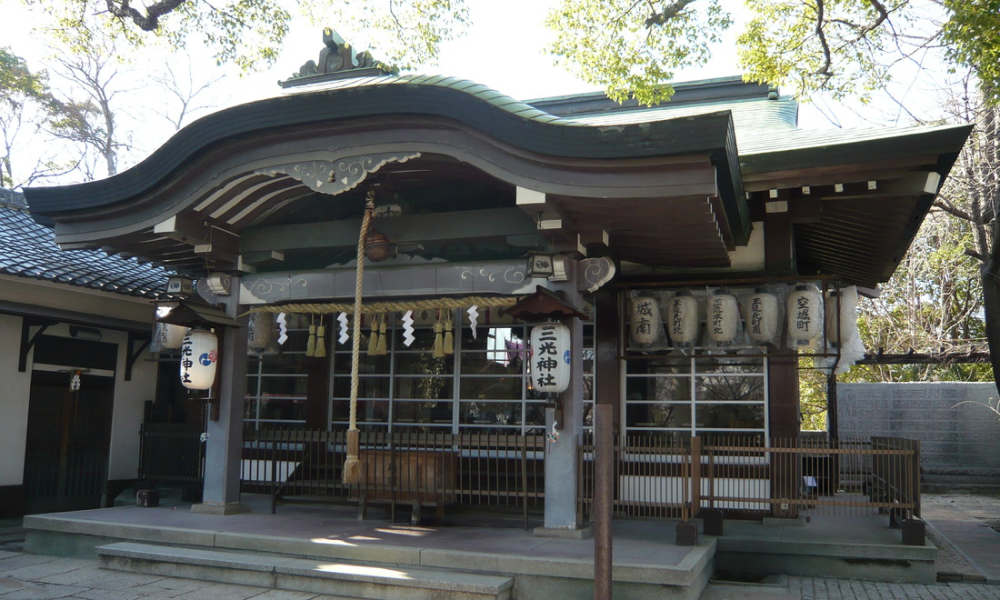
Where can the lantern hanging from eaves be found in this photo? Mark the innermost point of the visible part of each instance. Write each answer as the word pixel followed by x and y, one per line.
pixel 550 357
pixel 805 314
pixel 762 316
pixel 645 323
pixel 171 336
pixel 723 317
pixel 260 331
pixel 841 317
pixel 199 356
pixel 683 324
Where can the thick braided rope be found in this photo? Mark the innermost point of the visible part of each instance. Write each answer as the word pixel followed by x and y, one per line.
pixel 356 346
pixel 382 307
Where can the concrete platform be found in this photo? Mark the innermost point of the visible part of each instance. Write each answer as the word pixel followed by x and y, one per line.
pixel 647 563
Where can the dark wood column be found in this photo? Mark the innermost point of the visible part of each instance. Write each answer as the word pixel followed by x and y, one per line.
pixel 607 367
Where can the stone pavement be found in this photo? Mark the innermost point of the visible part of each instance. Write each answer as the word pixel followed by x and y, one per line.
pixel 36 577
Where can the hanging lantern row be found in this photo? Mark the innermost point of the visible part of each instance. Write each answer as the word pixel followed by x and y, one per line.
pixel 550 357
pixel 806 318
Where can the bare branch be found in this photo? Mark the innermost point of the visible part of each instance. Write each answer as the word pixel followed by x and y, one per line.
pixel 669 12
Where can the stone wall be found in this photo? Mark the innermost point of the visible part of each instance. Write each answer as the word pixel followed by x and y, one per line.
pixel 956 440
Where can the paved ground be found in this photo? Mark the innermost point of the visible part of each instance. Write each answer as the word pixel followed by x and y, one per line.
pixel 35 577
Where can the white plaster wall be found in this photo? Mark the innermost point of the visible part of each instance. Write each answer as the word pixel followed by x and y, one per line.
pixel 14 391
pixel 130 397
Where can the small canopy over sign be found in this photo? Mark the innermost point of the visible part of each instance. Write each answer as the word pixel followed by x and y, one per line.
pixel 544 304
pixel 192 314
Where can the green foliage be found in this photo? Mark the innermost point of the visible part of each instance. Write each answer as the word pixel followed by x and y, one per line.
pixel 250 33
pixel 834 46
pixel 972 38
pixel 613 43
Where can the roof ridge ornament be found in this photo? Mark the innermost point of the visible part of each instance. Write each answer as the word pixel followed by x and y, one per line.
pixel 337 60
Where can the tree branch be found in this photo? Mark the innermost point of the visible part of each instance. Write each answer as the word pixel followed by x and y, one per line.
pixel 669 12
pixel 150 21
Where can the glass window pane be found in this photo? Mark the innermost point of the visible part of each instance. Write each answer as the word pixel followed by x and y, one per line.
pixel 661 389
pixel 490 388
pixel 730 416
pixel 368 387
pixel 282 386
pixel 490 413
pixel 369 411
pixel 367 365
pixel 425 388
pixel 283 409
pixel 658 415
pixel 422 412
pixel 736 387
pixel 422 363
pixel 424 339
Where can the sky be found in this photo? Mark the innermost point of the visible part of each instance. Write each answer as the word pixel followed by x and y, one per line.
pixel 504 50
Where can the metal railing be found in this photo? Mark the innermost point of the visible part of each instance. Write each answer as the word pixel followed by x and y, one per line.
pixel 171 454
pixel 656 477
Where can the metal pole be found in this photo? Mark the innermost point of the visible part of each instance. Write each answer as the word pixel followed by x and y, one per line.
pixel 604 456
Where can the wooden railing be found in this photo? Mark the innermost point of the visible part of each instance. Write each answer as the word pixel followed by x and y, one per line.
pixel 655 477
pixel 419 469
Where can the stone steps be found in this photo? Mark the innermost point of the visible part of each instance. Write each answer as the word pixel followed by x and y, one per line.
pixel 333 577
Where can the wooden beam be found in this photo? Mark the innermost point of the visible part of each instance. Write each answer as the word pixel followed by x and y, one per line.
pixel 437 227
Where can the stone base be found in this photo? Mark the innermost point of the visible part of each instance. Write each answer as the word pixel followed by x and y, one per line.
pixel 214 508
pixel 567 534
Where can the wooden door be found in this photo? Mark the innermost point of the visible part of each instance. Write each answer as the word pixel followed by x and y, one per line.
pixel 69 435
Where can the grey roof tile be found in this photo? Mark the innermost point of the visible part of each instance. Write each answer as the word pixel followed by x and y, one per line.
pixel 28 250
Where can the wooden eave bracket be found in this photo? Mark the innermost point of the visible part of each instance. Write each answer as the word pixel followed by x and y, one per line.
pixel 551 221
pixel 218 244
pixel 133 352
pixel 28 340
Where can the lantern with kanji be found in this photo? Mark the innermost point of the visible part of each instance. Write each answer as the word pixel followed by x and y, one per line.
pixel 199 355
pixel 550 357
pixel 762 316
pixel 683 324
pixel 260 331
pixel 805 314
pixel 171 336
pixel 645 323
pixel 723 317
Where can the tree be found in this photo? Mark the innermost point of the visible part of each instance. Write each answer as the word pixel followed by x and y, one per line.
pixel 26 104
pixel 250 33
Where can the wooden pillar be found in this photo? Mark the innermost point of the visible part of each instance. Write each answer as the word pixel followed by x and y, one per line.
pixel 607 366
pixel 224 447
pixel 318 386
pixel 783 384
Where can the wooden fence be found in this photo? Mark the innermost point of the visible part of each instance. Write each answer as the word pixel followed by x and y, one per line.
pixel 655 477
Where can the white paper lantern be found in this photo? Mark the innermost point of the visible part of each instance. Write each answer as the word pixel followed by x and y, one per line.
pixel 762 316
pixel 645 323
pixel 171 336
pixel 848 325
pixel 550 357
pixel 683 325
pixel 805 314
pixel 199 355
pixel 260 330
pixel 723 317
